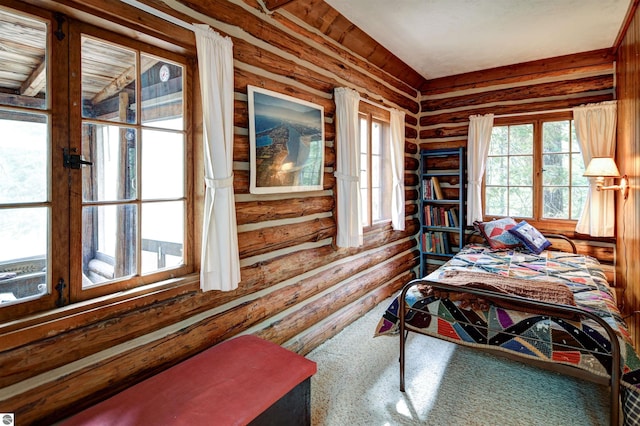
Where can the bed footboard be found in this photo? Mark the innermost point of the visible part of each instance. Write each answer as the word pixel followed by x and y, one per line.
pixel 527 304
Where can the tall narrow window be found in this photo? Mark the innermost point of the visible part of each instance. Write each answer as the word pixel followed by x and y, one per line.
pixel 25 175
pixel 375 167
pixel 509 172
pixel 134 204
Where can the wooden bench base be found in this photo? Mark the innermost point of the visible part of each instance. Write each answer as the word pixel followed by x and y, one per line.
pixel 245 380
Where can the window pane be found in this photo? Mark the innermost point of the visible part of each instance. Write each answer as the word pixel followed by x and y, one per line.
pixel 497 171
pixel 161 93
pixel 575 144
pixel 108 88
pixel 521 170
pixel 23 61
pixel 556 203
pixel 364 136
pixel 23 262
pixel 112 150
pixel 555 136
pixel 24 165
pixel 520 204
pixel 578 198
pixel 521 139
pixel 364 174
pixel 376 138
pixel 364 197
pixel 108 243
pixel 499 141
pixel 577 171
pixel 376 206
pixel 376 171
pixel 555 169
pixel 162 245
pixel 162 164
pixel 496 199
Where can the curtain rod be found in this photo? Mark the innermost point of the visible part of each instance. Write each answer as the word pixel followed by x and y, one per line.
pixel 533 113
pixel 159 14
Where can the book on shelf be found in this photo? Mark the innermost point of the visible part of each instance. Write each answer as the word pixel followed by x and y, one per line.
pixel 436 242
pixel 437 191
pixel 440 216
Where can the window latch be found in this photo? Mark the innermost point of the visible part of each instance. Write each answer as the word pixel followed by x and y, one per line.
pixel 73 161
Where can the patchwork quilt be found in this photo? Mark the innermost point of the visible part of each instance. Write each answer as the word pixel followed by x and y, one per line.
pixel 578 343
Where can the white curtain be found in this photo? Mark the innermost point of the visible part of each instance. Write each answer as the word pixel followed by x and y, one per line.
pixel 220 269
pixel 596 131
pixel 480 127
pixel 397 169
pixel 348 168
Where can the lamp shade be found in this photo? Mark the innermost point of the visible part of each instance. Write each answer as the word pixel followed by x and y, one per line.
pixel 602 167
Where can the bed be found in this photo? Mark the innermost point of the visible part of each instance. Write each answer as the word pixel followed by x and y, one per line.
pixel 471 300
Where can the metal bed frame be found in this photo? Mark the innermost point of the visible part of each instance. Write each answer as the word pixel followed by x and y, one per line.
pixel 616 368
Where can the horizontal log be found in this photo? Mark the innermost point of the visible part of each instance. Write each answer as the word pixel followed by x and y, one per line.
pixel 461 130
pixel 432 164
pixel 411 195
pixel 262 211
pixel 314 312
pixel 463 115
pixel 303 344
pixel 596 60
pixel 265 240
pixel 521 93
pixel 443 145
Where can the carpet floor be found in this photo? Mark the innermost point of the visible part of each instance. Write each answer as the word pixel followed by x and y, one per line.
pixel 357 383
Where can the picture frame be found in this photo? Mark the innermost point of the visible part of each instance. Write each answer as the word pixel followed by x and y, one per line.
pixel 286 140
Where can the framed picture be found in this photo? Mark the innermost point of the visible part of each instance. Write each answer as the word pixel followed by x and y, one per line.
pixel 286 138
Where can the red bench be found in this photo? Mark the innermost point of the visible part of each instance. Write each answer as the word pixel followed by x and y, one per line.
pixel 245 380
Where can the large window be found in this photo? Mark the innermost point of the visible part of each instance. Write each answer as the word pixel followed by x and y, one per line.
pixel 375 167
pixel 534 171
pixel 93 183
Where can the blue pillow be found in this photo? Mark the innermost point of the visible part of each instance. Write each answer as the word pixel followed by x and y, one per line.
pixel 530 237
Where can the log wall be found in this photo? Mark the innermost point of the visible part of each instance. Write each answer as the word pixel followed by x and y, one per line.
pixel 297 288
pixel 628 158
pixel 554 84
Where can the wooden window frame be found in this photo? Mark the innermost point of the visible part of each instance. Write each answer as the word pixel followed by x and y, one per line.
pixel 565 226
pixel 373 114
pixel 39 318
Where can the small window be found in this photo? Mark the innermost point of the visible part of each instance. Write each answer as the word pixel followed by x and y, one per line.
pixel 534 171
pixel 375 167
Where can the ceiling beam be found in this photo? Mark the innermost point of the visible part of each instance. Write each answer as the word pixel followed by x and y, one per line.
pixel 275 4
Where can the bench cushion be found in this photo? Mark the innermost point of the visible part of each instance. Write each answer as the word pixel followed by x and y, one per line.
pixel 228 384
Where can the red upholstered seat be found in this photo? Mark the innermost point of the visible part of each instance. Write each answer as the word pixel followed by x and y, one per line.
pixel 228 384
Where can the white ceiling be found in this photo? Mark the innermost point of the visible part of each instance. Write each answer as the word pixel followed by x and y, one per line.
pixel 439 38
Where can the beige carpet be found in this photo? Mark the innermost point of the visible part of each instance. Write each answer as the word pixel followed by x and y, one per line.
pixel 358 384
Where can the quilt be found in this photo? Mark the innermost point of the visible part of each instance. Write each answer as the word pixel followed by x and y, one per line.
pixel 580 343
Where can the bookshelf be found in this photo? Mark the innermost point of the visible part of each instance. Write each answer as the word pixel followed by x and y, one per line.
pixel 442 205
